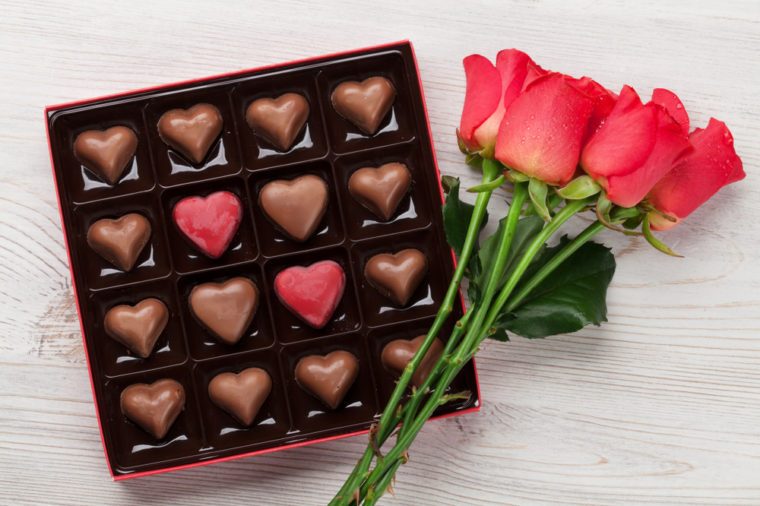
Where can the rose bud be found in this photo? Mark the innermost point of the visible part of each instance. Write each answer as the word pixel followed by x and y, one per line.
pixel 635 146
pixel 604 102
pixel 490 91
pixel 712 165
pixel 542 132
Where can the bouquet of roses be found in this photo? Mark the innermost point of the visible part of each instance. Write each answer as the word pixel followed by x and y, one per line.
pixel 565 146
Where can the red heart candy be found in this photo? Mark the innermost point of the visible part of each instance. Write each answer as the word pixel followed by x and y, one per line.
pixel 312 293
pixel 209 223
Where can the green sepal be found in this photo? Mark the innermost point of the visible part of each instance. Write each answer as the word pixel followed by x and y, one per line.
pixel 538 191
pixel 485 187
pixel 579 188
pixel 654 241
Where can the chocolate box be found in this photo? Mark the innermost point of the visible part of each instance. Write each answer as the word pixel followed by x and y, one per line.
pixel 168 267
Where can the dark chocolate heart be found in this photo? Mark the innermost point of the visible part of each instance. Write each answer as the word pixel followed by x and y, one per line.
pixel 106 153
pixel 242 394
pixel 328 377
pixel 120 241
pixel 295 206
pixel 398 353
pixel 278 120
pixel 137 327
pixel 191 131
pixel 366 103
pixel 396 275
pixel 153 407
pixel 381 189
pixel 225 309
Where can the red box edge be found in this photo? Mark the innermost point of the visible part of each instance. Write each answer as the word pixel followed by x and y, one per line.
pixel 51 108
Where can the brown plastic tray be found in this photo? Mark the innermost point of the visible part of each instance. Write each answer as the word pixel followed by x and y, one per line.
pixel 168 268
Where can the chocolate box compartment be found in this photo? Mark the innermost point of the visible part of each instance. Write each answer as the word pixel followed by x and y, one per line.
pixel 186 257
pixel 413 211
pixel 397 125
pixel 115 358
pixel 378 309
pixel 309 414
pixel 386 380
pixel 288 327
pixel 153 261
pixel 197 436
pixel 223 157
pixel 310 144
pixel 222 430
pixel 201 343
pixel 272 240
pixel 81 185
pixel 132 447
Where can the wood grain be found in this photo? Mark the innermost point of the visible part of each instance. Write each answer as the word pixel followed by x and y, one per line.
pixel 659 406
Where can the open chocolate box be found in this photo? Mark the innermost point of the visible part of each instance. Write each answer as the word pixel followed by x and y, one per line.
pixel 220 194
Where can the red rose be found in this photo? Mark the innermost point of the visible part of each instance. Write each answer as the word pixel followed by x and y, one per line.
pixel 712 165
pixel 543 130
pixel 636 145
pixel 490 91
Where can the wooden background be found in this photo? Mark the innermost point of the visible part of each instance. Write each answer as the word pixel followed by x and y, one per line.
pixel 659 406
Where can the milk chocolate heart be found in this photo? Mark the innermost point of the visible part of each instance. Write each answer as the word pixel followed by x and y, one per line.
pixel 396 275
pixel 137 327
pixel 120 241
pixel 241 395
pixel 398 353
pixel 191 131
pixel 366 103
pixel 209 222
pixel 153 407
pixel 381 189
pixel 328 377
pixel 311 293
pixel 225 309
pixel 278 120
pixel 296 206
pixel 106 153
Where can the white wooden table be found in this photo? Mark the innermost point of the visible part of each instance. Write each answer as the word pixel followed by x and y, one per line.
pixel 660 405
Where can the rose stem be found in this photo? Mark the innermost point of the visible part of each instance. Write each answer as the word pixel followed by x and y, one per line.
pixel 469 345
pixel 491 170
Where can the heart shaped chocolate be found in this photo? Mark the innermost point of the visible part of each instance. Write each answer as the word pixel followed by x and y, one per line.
pixel 296 206
pixel 398 353
pixel 311 293
pixel 278 120
pixel 120 241
pixel 209 223
pixel 106 153
pixel 396 275
pixel 225 309
pixel 191 131
pixel 137 327
pixel 328 377
pixel 366 103
pixel 241 395
pixel 153 407
pixel 381 189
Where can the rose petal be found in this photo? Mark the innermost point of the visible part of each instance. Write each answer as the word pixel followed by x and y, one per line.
pixel 481 98
pixel 542 131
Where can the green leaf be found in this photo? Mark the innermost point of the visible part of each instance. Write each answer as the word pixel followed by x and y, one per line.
pixel 538 190
pixel 456 215
pixel 499 334
pixel 456 221
pixel 487 187
pixel 573 296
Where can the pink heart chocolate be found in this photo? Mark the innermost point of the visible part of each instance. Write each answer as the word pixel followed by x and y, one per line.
pixel 312 293
pixel 209 222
